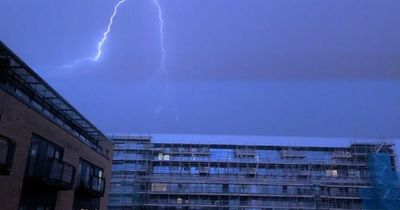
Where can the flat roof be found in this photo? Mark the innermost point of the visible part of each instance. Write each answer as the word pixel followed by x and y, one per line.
pixel 296 141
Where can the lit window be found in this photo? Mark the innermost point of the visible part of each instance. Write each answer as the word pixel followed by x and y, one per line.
pixel 157 187
pixel 333 173
pixel 161 156
pixel 179 201
pixel 166 157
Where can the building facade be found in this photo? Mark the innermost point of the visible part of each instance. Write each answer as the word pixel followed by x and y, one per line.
pixel 51 157
pixel 151 174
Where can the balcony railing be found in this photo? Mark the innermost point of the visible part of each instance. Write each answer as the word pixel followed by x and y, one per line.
pixel 51 172
pixel 94 186
pixel 245 152
pixel 7 148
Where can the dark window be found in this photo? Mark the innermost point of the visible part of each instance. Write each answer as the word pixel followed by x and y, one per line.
pixel 225 188
pixel 46 173
pixel 90 186
pixel 284 189
pixel 87 171
pixel 4 68
pixel 45 165
pixel 142 187
pixel 42 148
pixel 7 148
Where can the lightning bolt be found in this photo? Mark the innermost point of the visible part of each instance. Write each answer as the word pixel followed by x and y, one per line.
pixel 161 20
pixel 161 71
pixel 100 43
pixel 162 68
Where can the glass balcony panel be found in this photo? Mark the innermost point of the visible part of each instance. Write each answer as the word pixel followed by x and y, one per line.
pixel 92 187
pixel 51 172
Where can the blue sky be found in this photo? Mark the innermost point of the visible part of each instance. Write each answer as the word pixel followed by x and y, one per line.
pixel 260 67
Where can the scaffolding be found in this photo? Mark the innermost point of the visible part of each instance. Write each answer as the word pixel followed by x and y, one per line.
pixel 384 193
pixel 213 176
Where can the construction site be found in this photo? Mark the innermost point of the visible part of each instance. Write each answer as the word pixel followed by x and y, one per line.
pixel 147 174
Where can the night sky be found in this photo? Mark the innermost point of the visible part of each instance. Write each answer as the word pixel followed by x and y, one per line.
pixel 242 67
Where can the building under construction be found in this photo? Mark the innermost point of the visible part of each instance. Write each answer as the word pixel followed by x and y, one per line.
pixel 177 174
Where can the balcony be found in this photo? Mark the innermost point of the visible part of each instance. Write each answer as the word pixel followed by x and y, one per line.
pixel 93 187
pixel 50 172
pixel 7 148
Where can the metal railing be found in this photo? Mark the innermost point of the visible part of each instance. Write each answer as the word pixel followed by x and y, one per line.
pixel 51 171
pixel 94 186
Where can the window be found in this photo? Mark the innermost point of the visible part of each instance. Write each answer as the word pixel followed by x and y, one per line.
pixel 161 170
pixel 142 187
pixel 48 113
pixel 161 156
pixel 157 187
pixel 42 148
pixel 284 189
pixel 332 173
pixel 90 187
pixel 88 172
pixel 45 161
pixel 22 95
pixel 7 148
pixel 166 157
pixel 37 105
pixel 354 174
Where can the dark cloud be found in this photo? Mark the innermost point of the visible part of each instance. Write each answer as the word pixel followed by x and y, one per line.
pixel 236 67
pixel 208 40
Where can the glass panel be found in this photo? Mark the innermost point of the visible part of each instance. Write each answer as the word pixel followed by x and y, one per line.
pixel 34 149
pixel 86 174
pixel 3 151
pixel 57 155
pixel 50 151
pixel 67 175
pixel 56 170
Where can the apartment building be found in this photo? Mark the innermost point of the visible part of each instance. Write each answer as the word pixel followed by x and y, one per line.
pixel 51 157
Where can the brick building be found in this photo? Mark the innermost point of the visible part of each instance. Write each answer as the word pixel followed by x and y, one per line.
pixel 51 157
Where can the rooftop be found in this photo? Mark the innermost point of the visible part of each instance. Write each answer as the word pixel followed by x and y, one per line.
pixel 30 88
pixel 295 141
